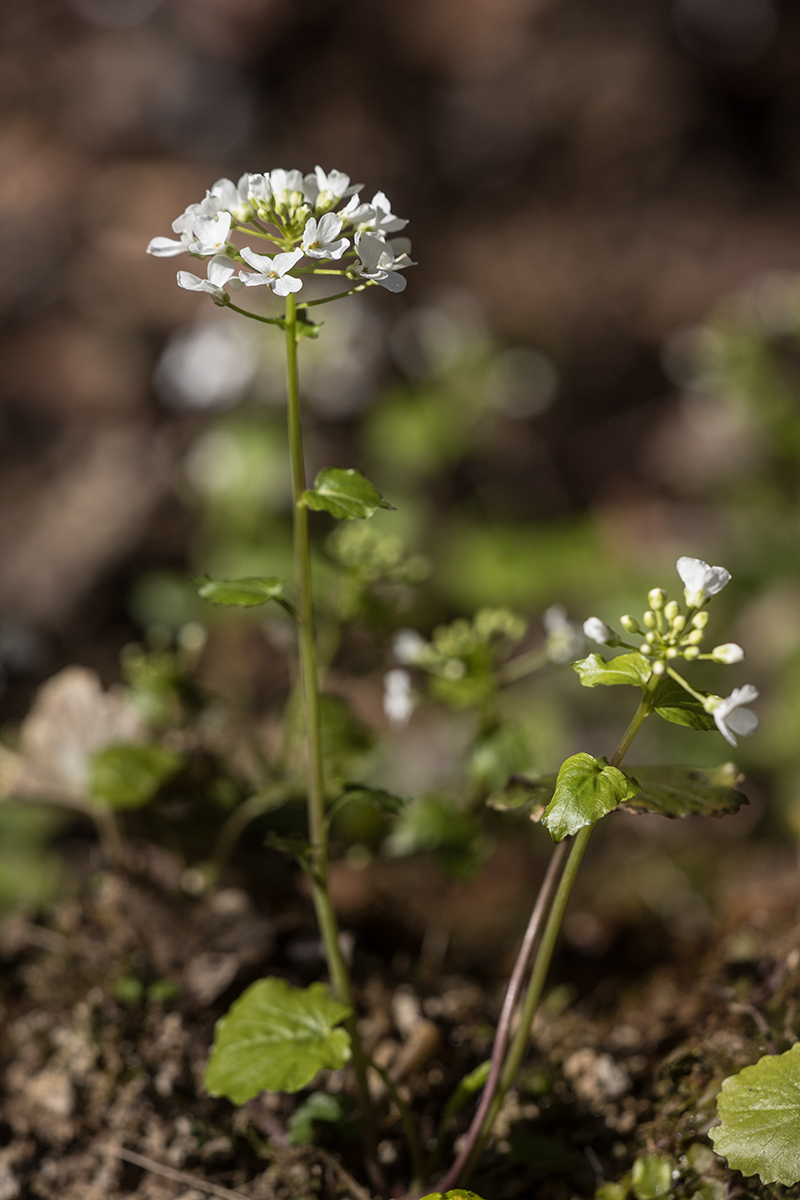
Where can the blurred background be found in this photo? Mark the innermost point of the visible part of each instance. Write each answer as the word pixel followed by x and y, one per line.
pixel 594 369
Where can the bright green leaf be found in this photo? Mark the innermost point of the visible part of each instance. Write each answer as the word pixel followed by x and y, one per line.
pixel 345 494
pixel 651 1177
pixel 687 791
pixel 244 593
pixel 320 1106
pixel 632 668
pixel 611 1191
pixel 675 704
pixel 760 1111
pixel 586 789
pixel 275 1038
pixel 130 776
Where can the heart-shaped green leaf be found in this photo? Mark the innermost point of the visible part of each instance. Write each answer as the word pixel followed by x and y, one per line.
pixel 130 776
pixel 275 1038
pixel 244 593
pixel 345 494
pixel 760 1112
pixel 632 669
pixel 675 704
pixel 687 791
pixel 586 789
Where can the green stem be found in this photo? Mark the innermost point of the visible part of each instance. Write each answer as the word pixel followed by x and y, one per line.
pixel 686 686
pixel 255 316
pixel 338 296
pixel 326 917
pixel 466 1161
pixel 409 1128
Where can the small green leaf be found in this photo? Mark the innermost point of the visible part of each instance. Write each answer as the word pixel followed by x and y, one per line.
pixel 687 791
pixel 275 1038
pixel 345 494
pixel 468 1086
pixel 675 704
pixel 531 795
pixel 379 798
pixel 244 593
pixel 305 326
pixel 454 1194
pixel 320 1106
pixel 130 776
pixel 611 1191
pixel 760 1111
pixel 632 668
pixel 586 789
pixel 651 1177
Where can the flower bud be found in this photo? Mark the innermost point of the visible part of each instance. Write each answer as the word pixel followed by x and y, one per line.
pixel 658 667
pixel 649 619
pixel 700 620
pixel 691 653
pixel 694 637
pixel 727 653
pixel 671 611
pixel 672 652
pixel 629 624
pixel 712 702
pixel 645 649
pixel 679 624
pixel 597 631
pixel 650 637
pixel 656 598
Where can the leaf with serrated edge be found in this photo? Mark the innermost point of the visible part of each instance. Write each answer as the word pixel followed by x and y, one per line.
pixel 345 494
pixel 244 593
pixel 675 704
pixel 586 789
pixel 687 791
pixel 760 1112
pixel 633 669
pixel 275 1038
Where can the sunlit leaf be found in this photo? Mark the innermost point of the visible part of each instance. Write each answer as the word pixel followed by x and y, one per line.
pixel 130 776
pixel 586 789
pixel 687 791
pixel 675 704
pixel 275 1038
pixel 760 1112
pixel 632 669
pixel 651 1177
pixel 345 494
pixel 244 593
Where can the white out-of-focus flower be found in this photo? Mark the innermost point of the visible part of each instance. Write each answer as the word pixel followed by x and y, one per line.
pixel 321 237
pixel 272 271
pixel 164 247
pixel 382 260
pixel 565 640
pixel 233 198
pixel 700 580
pixel 729 714
pixel 323 190
pixel 210 234
pixel 728 653
pixel 597 631
pixel 208 365
pixel 398 702
pixel 408 645
pixel 220 272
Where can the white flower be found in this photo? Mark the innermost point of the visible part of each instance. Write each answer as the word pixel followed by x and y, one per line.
pixel 324 190
pixel 272 271
pixel 398 703
pixel 597 631
pixel 564 638
pixel 355 212
pixel 284 183
pixel 319 237
pixel 163 247
pixel 382 260
pixel 728 653
pixel 233 198
pixel 211 233
pixel 729 715
pixel 407 645
pixel 382 219
pixel 700 580
pixel 219 271
pixel 259 191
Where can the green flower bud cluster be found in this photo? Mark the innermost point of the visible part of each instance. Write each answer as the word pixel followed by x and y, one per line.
pixel 668 632
pixel 467 646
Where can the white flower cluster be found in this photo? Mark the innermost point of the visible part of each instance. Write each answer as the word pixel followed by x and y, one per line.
pixel 670 634
pixel 295 213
